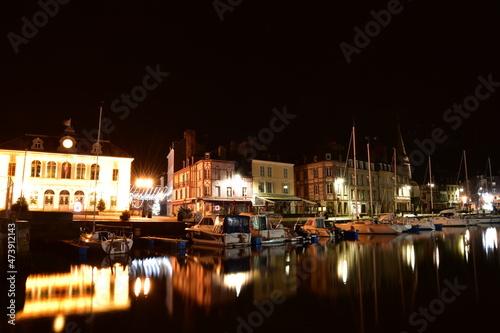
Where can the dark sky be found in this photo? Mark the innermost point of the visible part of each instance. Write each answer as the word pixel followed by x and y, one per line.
pixel 226 76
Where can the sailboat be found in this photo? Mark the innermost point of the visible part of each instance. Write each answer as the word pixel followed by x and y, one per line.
pixel 365 226
pixel 484 218
pixel 109 239
pixel 427 224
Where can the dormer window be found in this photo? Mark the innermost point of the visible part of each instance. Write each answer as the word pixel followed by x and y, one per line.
pixel 37 144
pixel 96 149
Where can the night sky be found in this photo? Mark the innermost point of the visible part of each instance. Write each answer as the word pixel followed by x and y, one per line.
pixel 228 68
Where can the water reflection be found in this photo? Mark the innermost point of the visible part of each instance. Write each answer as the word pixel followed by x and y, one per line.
pixel 84 289
pixel 375 284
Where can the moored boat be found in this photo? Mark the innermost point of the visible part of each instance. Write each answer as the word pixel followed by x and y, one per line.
pixel 317 226
pixel 370 227
pixel 267 228
pixel 221 230
pixel 107 238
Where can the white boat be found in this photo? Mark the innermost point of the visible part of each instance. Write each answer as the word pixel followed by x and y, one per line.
pixel 390 218
pixel 267 228
pixel 317 226
pixel 370 227
pixel 221 230
pixel 449 218
pixel 110 239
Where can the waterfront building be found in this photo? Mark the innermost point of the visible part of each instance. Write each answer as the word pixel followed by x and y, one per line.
pixel 274 189
pixel 210 185
pixel 64 172
pixel 330 183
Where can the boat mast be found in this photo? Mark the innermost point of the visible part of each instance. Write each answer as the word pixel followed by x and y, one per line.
pixel 370 179
pixel 96 170
pixel 395 182
pixel 355 175
pixel 466 181
pixel 431 185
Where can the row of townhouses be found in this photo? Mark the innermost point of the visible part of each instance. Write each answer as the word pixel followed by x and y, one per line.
pixel 69 172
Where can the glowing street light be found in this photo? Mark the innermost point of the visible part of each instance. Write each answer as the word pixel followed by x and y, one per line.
pixel 144 182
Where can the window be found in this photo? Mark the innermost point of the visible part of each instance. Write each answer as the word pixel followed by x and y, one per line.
pixel 37 144
pixel 229 192
pixel 328 172
pixel 217 191
pixel 12 169
pixel 262 171
pixel 66 170
pixel 36 167
pixel 329 188
pixel 80 171
pixel 286 188
pixel 316 189
pixel 261 187
pixel 115 174
pixel 206 174
pixel 94 172
pixel 269 187
pixel 96 149
pixel 285 173
pixel 207 191
pixel 243 191
pixel 315 173
pixel 269 171
pixel 217 173
pixel 51 170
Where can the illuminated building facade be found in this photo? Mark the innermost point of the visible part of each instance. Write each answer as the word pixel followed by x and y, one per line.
pixel 64 172
pixel 211 185
pixel 274 189
pixel 330 184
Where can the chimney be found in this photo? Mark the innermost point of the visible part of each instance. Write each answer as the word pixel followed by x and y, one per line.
pixel 190 137
pixel 221 151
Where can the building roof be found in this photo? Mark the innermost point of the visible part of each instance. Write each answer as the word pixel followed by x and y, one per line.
pixel 52 144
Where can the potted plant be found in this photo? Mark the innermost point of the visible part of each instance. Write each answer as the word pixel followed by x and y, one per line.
pixel 125 216
pixel 183 213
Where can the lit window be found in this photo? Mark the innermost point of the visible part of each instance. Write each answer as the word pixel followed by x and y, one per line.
pixel 12 169
pixel 80 171
pixel 94 172
pixel 36 167
pixel 51 170
pixel 66 170
pixel 286 188
pixel 115 174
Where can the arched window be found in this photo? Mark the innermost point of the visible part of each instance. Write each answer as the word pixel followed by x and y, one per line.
pixel 80 171
pixel 66 170
pixel 64 197
pixel 51 169
pixel 36 167
pixel 94 172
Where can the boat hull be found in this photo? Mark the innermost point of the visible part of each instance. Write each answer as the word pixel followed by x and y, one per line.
pixel 371 228
pixel 216 239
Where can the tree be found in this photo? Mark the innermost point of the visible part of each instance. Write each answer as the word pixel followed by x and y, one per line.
pixel 101 205
pixel 21 205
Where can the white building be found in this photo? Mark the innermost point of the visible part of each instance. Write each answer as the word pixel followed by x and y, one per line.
pixel 64 173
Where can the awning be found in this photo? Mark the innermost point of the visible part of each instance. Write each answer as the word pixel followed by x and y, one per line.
pixel 226 200
pixel 276 198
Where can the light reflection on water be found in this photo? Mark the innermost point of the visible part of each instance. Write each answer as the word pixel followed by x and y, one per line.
pixel 380 283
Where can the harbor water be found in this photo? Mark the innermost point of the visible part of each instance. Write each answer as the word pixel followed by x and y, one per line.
pixel 433 281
